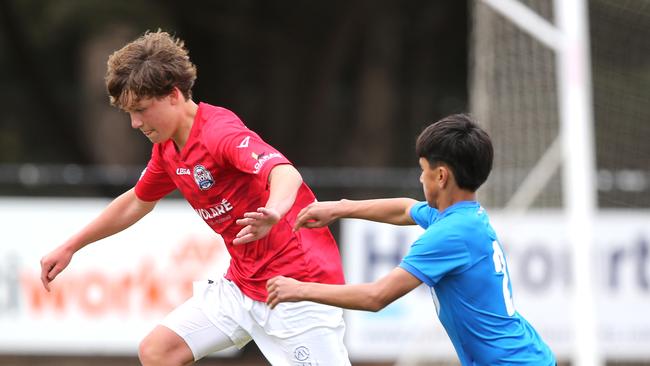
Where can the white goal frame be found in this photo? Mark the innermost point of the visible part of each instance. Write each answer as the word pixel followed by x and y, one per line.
pixel 574 151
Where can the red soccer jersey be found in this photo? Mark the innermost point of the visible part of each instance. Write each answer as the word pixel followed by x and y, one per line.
pixel 223 172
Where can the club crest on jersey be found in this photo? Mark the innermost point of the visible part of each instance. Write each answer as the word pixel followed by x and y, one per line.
pixel 203 178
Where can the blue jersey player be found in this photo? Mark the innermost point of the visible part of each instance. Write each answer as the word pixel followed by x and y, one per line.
pixel 458 256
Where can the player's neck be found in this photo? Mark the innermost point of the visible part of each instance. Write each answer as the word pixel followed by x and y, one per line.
pixel 185 123
pixel 450 197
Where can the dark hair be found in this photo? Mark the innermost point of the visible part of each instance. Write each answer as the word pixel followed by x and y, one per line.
pixel 462 145
pixel 151 66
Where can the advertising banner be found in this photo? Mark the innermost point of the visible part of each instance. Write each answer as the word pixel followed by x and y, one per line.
pixel 116 290
pixel 113 292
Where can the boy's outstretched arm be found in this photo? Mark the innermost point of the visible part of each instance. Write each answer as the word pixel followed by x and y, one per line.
pixel 123 212
pixel 368 296
pixel 284 182
pixel 394 211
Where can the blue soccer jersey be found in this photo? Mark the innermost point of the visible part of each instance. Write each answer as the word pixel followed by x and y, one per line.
pixel 459 257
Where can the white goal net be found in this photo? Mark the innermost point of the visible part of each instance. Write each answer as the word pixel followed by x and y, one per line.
pixel 514 94
pixel 539 93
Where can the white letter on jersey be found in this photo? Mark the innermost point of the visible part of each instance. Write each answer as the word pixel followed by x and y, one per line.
pixel 244 142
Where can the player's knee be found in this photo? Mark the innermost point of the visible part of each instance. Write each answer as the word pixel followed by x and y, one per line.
pixel 152 352
pixel 149 352
pixel 163 347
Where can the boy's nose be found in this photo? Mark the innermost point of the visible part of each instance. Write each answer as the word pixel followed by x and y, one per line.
pixel 135 122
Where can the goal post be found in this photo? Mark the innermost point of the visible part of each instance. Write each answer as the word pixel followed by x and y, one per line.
pixel 572 141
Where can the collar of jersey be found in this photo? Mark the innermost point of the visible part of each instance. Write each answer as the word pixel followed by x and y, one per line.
pixel 457 206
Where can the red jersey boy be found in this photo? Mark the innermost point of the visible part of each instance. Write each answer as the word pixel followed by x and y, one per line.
pixel 245 190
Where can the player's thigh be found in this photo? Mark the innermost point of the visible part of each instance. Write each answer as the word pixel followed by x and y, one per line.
pixel 195 330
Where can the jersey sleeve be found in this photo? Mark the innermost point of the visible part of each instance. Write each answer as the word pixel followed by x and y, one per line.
pixel 154 183
pixel 435 254
pixel 423 214
pixel 244 150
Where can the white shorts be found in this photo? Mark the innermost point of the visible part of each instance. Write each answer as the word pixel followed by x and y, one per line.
pixel 219 315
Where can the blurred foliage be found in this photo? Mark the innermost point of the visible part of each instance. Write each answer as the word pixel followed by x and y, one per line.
pixel 329 83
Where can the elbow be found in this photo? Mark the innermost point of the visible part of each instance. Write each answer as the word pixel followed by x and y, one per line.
pixel 375 307
pixel 378 295
pixel 376 302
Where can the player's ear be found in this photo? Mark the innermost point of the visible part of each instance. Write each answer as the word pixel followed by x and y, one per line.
pixel 443 173
pixel 176 96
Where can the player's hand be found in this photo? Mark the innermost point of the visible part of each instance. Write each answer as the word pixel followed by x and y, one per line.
pixel 256 225
pixel 317 214
pixel 283 289
pixel 53 263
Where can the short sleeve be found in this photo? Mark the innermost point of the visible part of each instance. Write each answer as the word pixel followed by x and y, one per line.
pixel 423 214
pixel 435 254
pixel 243 149
pixel 154 183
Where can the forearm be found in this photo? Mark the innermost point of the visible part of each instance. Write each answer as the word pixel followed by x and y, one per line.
pixel 389 210
pixel 356 297
pixel 123 212
pixel 368 296
pixel 284 183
